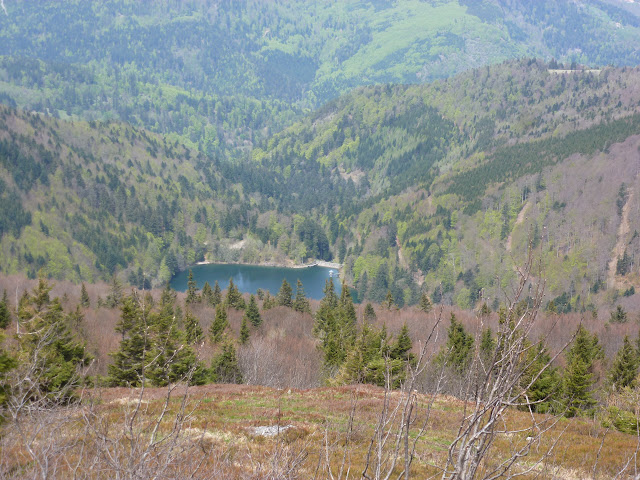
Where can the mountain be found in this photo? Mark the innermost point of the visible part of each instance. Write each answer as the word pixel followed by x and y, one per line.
pixel 438 187
pixel 223 75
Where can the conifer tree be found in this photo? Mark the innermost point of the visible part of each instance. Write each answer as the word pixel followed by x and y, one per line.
pixel 541 391
pixel 425 303
pixel 7 363
pixel 328 305
pixel 225 367
pixel 216 298
pixel 578 378
pixel 401 348
pixel 234 297
pixel 207 293
pixel 128 364
pixel 301 303
pixel 347 315
pixel 193 330
pixel 219 325
pixel 115 296
pixel 284 297
pixel 457 352
pixel 85 301
pixel 192 291
pixel 47 343
pixel 625 367
pixel 253 312
pixel 369 313
pixel 244 331
pixel 487 344
pixel 389 302
pixel 5 311
pixel 269 302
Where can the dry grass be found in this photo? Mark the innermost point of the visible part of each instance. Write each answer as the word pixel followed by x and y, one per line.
pixel 218 435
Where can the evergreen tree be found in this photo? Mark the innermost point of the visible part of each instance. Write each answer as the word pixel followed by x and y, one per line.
pixel 244 330
pixel 193 330
pixel 225 367
pixel 253 313
pixel 114 298
pixel 487 344
pixel 301 304
pixel 541 391
pixel 347 315
pixel 128 364
pixel 579 377
pixel 369 313
pixel 219 325
pixel 7 363
pixel 216 298
pixel 47 343
pixel 192 291
pixel 207 293
pixel 234 297
pixel 425 303
pixel 618 315
pixel 5 311
pixel 328 305
pixel 84 297
pixel 625 367
pixel 284 297
pixel 389 302
pixel 269 301
pixel 457 351
pixel 401 349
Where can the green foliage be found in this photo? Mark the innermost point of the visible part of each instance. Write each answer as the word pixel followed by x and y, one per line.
pixel 234 298
pixel 192 329
pixel 457 352
pixel 301 303
pixel 369 313
pixel 578 378
pixel 425 303
pixel 114 297
pixel 219 324
pixel 624 370
pixel 253 312
pixel 541 381
pixel 284 297
pixel 7 363
pixel 85 301
pixel 192 290
pixel 48 345
pixel 244 331
pixel 225 367
pixel 618 315
pixel 5 311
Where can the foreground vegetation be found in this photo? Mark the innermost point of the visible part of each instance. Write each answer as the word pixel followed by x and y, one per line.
pixel 437 382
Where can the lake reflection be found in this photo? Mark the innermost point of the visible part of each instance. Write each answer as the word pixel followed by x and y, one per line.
pixel 249 278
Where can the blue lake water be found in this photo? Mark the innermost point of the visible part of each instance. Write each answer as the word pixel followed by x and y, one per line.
pixel 249 278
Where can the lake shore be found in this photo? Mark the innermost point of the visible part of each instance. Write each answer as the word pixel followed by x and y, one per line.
pixel 317 263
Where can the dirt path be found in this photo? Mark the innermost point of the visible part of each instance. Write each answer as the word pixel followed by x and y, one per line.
pixel 519 220
pixel 621 242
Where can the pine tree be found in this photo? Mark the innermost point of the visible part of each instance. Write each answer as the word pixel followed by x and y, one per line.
pixel 301 304
pixel 369 313
pixel 328 305
pixel 425 303
pixel 114 298
pixel 192 291
pixel 579 377
pixel 269 301
pixel 401 349
pixel 244 331
pixel 389 302
pixel 219 325
pixel 625 367
pixel 618 315
pixel 225 367
pixel 347 316
pixel 5 311
pixel 284 295
pixel 487 344
pixel 457 352
pixel 193 330
pixel 207 293
pixel 85 301
pixel 7 363
pixel 541 391
pixel 47 343
pixel 216 298
pixel 234 297
pixel 128 364
pixel 253 313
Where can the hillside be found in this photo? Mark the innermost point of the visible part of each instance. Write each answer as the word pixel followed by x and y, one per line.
pixel 436 187
pixel 224 74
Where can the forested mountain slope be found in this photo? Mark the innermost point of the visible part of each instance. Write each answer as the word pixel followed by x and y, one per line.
pixel 460 174
pixel 224 74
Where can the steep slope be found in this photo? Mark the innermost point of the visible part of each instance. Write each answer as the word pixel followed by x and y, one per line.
pixel 449 167
pixel 224 74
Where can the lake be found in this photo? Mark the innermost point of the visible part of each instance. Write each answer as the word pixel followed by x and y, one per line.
pixel 249 278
